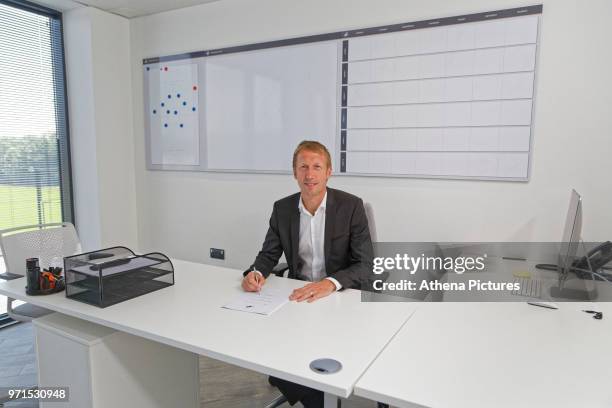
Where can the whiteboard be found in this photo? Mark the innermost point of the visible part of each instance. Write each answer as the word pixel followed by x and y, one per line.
pixel 263 103
pixel 441 98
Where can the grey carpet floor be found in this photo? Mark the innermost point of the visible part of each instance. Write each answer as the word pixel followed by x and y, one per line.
pixel 18 360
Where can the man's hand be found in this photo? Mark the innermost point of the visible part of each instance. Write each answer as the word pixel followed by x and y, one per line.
pixel 313 291
pixel 253 282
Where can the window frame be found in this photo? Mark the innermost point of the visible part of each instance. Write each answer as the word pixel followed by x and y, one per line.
pixel 61 105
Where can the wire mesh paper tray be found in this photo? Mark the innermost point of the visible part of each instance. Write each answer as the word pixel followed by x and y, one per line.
pixel 113 275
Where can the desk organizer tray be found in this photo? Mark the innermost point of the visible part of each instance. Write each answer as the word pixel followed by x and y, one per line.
pixel 113 275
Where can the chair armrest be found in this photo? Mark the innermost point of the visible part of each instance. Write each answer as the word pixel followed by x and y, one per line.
pixel 279 270
pixel 10 276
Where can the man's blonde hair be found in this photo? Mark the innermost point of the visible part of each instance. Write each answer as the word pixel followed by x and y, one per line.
pixel 312 146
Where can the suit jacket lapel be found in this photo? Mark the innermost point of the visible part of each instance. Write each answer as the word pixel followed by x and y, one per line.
pixel 295 236
pixel 330 221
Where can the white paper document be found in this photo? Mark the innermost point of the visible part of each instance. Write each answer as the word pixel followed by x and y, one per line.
pixel 265 302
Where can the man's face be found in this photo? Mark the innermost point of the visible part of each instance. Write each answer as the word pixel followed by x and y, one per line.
pixel 311 172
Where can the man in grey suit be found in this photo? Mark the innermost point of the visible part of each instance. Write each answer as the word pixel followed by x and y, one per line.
pixel 324 235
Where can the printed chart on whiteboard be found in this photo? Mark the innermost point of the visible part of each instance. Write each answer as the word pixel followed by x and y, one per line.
pixel 449 100
pixel 173 114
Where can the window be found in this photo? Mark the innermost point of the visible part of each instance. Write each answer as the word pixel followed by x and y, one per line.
pixel 35 184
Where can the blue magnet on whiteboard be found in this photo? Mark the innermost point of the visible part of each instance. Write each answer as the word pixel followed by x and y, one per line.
pixel 168 112
pixel 193 109
pixel 169 96
pixel 162 104
pixel 181 125
pixel 165 125
pixel 178 95
pixel 154 111
pixel 176 112
pixel 184 103
pixel 148 68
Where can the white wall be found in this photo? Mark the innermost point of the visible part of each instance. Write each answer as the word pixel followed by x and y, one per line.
pixel 184 214
pixel 100 111
pixel 79 69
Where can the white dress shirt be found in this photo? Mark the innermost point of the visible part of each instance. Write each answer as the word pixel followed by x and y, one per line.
pixel 311 245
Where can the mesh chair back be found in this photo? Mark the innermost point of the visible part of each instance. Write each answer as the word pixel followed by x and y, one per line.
pixel 44 242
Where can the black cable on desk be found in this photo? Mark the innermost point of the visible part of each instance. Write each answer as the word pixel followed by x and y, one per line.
pixel 548 267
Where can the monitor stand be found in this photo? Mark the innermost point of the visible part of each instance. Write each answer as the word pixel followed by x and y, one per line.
pixel 581 290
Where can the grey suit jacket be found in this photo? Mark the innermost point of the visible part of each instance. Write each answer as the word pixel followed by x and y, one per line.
pixel 348 247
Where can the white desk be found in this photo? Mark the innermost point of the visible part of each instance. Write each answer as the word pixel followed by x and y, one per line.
pixel 460 355
pixel 189 316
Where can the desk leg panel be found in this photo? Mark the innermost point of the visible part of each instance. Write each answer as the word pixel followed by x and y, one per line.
pixel 113 368
pixel 330 400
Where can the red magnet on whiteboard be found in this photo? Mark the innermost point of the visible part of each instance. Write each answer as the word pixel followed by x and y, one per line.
pixel 165 68
pixel 195 88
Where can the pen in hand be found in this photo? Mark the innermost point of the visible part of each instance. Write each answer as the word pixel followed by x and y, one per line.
pixel 256 277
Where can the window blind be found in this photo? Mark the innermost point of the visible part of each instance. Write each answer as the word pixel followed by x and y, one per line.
pixel 35 185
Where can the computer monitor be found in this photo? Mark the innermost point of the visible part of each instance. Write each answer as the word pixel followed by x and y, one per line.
pixel 584 288
pixel 570 240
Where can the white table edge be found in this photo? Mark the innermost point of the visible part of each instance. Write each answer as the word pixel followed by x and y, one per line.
pixel 337 391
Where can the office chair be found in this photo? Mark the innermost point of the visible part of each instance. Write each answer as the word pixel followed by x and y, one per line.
pixel 45 242
pixel 369 211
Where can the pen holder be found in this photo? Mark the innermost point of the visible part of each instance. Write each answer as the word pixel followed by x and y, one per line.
pixel 59 287
pixel 32 275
